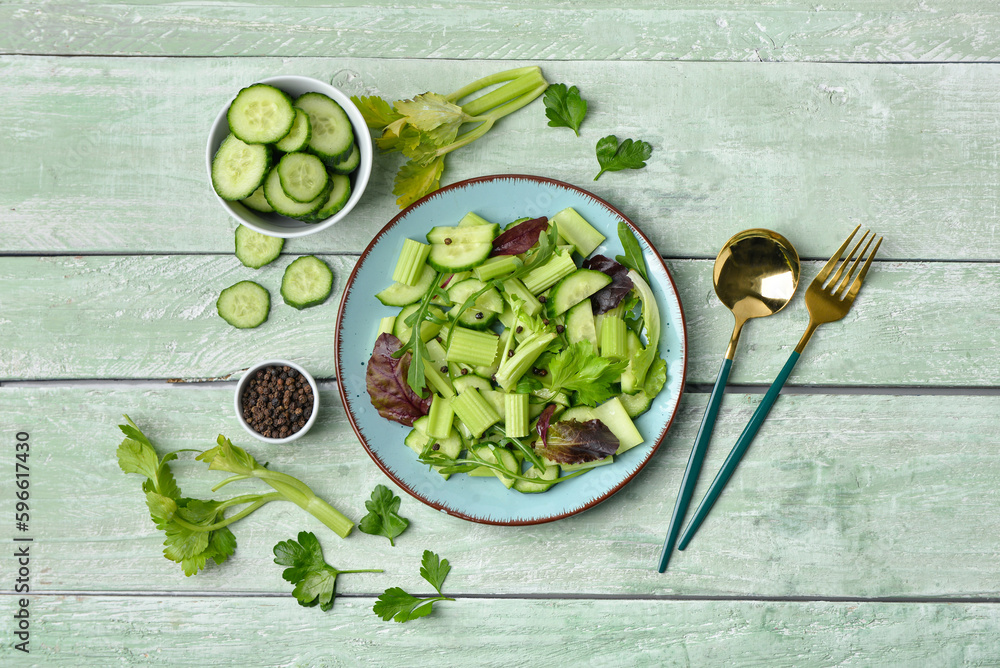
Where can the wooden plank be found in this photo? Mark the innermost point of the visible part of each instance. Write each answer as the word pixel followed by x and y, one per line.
pixel 729 30
pixel 144 631
pixel 840 496
pixel 107 155
pixel 154 317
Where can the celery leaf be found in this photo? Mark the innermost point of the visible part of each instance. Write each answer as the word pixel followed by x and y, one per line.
pixel 315 580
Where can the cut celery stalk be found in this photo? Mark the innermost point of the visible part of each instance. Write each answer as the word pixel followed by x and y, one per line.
pixel 473 347
pixel 516 415
pixel 440 417
pixel 474 411
pixel 576 230
pixel 411 263
pixel 613 338
pixel 558 267
pixel 513 367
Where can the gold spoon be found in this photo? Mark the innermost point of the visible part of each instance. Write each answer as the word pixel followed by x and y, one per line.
pixel 755 275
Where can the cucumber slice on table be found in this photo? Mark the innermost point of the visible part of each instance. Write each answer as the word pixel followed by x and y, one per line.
pixel 307 282
pixel 340 192
pixel 238 168
pixel 261 114
pixel 254 249
pixel 332 134
pixel 298 137
pixel 284 204
pixel 303 176
pixel 257 201
pixel 244 305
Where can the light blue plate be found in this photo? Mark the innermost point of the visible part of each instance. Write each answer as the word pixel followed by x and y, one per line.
pixel 499 199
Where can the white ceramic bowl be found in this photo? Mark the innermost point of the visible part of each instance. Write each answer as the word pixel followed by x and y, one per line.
pixel 245 380
pixel 274 224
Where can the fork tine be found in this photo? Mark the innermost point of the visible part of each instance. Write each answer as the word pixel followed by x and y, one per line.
pixel 828 267
pixel 856 286
pixel 838 290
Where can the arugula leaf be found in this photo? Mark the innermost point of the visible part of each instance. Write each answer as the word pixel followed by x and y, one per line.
pixel 614 157
pixel 564 107
pixel 577 368
pixel 633 258
pixel 396 604
pixel 383 517
pixel 315 580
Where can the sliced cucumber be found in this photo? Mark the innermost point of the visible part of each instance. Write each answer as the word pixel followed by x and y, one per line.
pixel 580 324
pixel 531 487
pixel 244 305
pixel 348 164
pixel 254 249
pixel 483 311
pixel 298 137
pixel 573 289
pixel 332 134
pixel 400 294
pixel 464 234
pixel 428 329
pixel 458 256
pixel 284 204
pixel 303 176
pixel 238 168
pixel 636 404
pixel 340 192
pixel 307 282
pixel 257 201
pixel 261 114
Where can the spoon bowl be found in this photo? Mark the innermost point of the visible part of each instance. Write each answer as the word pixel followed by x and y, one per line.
pixel 755 275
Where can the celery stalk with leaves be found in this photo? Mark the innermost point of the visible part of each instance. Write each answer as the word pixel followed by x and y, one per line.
pixel 427 127
pixel 198 530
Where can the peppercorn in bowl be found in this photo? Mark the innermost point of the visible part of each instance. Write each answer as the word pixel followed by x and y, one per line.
pixel 276 401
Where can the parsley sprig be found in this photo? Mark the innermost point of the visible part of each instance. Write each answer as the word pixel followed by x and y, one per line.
pixel 614 157
pixel 315 580
pixel 400 606
pixel 383 518
pixel 564 107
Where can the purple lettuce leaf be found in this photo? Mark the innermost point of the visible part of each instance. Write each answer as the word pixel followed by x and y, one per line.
pixel 612 294
pixel 520 238
pixel 574 442
pixel 385 379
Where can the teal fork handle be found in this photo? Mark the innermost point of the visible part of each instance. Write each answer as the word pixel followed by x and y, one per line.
pixel 733 460
pixel 694 463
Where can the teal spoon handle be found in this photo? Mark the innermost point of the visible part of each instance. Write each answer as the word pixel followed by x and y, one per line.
pixel 694 463
pixel 733 460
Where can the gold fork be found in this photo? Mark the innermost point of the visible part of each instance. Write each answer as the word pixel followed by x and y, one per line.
pixel 828 299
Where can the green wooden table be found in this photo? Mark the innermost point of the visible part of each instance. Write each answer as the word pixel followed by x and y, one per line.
pixel 862 528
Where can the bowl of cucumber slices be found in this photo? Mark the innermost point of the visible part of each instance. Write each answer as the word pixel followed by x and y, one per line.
pixel 289 156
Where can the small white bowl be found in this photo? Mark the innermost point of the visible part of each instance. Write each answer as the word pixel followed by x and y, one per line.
pixel 274 224
pixel 245 380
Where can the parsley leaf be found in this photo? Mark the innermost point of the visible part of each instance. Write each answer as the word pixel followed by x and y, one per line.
pixel 564 107
pixel 578 369
pixel 633 252
pixel 613 157
pixel 383 515
pixel 400 606
pixel 315 580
